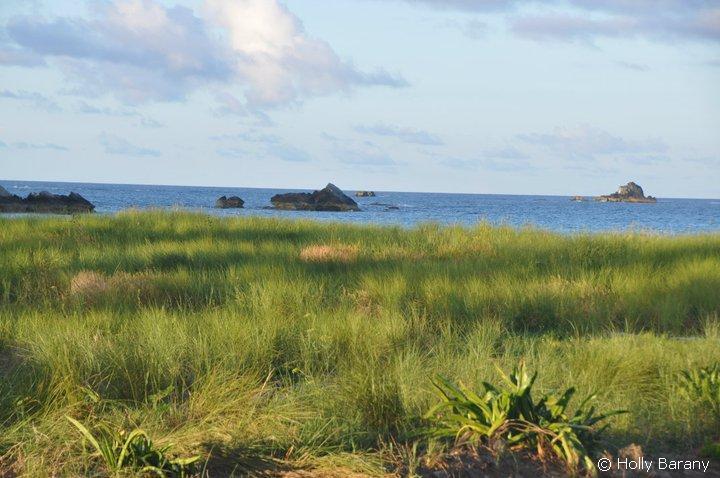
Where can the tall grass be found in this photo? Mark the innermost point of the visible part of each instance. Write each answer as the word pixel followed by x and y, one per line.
pixel 276 342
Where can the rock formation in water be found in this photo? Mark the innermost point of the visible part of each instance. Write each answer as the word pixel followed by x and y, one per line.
pixel 578 198
pixel 44 202
pixel 330 198
pixel 365 194
pixel 631 192
pixel 232 202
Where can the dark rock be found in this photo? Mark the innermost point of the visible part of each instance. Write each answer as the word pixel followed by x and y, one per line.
pixel 330 198
pixel 232 202
pixel 365 194
pixel 4 193
pixel 631 192
pixel 392 208
pixel 45 202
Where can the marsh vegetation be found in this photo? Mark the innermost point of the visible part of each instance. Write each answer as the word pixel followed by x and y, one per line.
pixel 263 344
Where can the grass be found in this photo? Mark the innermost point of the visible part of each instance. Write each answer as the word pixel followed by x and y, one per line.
pixel 271 344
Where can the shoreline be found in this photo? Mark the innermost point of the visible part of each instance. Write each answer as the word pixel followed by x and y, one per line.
pixel 336 218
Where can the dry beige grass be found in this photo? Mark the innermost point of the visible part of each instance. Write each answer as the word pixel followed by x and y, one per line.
pixel 89 284
pixel 93 286
pixel 337 473
pixel 326 253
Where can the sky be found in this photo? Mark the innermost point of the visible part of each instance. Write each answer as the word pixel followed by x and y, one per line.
pixel 557 97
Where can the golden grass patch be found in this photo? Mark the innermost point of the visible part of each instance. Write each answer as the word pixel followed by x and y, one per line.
pixel 89 284
pixel 92 286
pixel 326 253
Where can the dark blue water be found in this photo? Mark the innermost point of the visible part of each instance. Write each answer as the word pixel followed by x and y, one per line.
pixel 557 213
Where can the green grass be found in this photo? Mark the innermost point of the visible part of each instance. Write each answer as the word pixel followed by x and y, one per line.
pixel 213 335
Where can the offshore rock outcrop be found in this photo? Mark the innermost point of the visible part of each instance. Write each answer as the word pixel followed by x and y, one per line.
pixel 330 198
pixel 365 194
pixel 631 192
pixel 232 202
pixel 45 203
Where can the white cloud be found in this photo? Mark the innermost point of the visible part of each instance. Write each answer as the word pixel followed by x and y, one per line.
pixel 36 99
pixel 279 61
pixel 579 147
pixel 699 24
pixel 406 135
pixel 140 50
pixel 31 146
pixel 28 146
pixel 632 66
pixel 259 145
pixel 88 109
pixel 136 49
pixel 120 146
pixel 503 159
pixel 359 153
pixel 467 5
pixel 588 142
pixel 585 20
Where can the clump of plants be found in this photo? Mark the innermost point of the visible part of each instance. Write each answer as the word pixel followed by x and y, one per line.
pixel 134 450
pixel 509 415
pixel 711 450
pixel 703 386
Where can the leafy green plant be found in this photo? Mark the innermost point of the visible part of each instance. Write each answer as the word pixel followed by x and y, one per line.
pixel 511 415
pixel 711 450
pixel 703 385
pixel 134 450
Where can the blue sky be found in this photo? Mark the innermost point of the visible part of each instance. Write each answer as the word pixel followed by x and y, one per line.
pixel 483 96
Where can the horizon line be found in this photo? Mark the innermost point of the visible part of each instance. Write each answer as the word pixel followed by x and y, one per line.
pixel 108 183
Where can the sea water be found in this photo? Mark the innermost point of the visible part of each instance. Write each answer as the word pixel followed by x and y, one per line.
pixel 556 213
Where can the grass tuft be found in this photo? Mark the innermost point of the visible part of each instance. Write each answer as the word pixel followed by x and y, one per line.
pixel 327 253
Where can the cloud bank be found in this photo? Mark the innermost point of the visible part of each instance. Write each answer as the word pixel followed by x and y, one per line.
pixel 141 50
pixel 38 100
pixel 116 145
pixel 577 147
pixel 664 20
pixel 588 142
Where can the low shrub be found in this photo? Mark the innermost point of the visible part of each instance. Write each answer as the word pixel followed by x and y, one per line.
pixel 703 386
pixel 134 450
pixel 509 415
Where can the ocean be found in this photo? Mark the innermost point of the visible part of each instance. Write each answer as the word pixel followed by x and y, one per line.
pixel 556 213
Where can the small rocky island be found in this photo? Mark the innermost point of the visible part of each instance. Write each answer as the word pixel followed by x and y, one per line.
pixel 365 194
pixel 631 192
pixel 232 202
pixel 44 202
pixel 330 198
